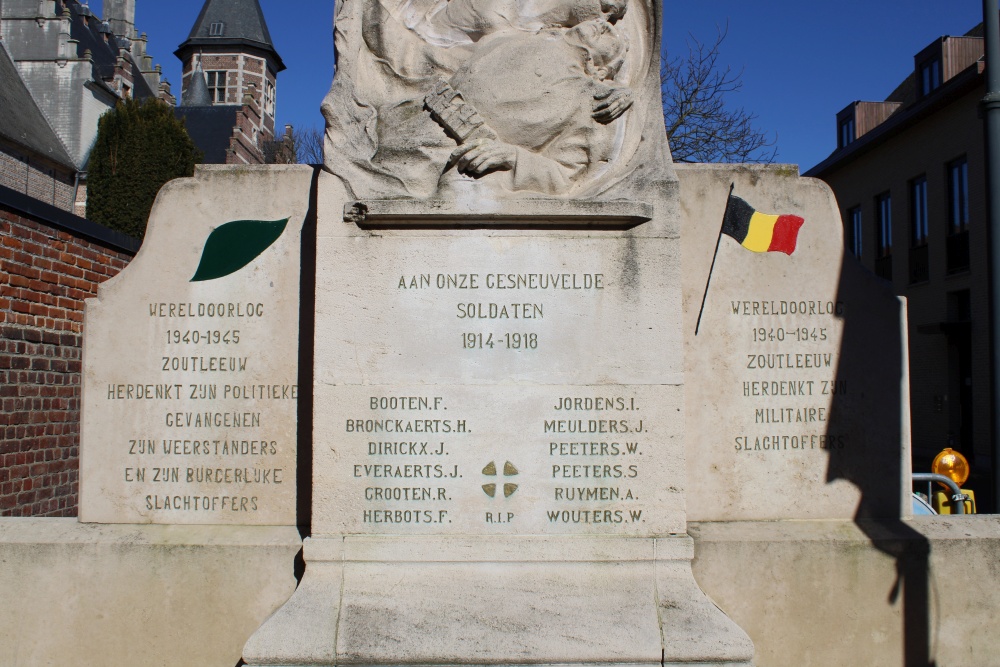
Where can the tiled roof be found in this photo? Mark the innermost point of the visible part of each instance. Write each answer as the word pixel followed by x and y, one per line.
pixel 104 52
pixel 225 22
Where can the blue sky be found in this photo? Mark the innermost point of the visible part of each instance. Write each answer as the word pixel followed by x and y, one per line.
pixel 802 60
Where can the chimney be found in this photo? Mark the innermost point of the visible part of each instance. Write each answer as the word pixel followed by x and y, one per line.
pixel 121 15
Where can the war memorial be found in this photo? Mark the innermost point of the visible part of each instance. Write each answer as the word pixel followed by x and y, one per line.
pixel 499 384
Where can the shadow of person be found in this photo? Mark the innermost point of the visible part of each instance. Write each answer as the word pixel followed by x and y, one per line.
pixel 872 452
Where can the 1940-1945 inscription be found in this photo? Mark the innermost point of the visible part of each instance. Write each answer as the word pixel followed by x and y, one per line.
pixel 789 374
pixel 212 438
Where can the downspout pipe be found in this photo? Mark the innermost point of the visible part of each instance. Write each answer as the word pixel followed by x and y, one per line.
pixel 991 119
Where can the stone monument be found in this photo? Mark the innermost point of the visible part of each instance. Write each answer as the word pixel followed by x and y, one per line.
pixel 500 359
pixel 190 390
pixel 499 430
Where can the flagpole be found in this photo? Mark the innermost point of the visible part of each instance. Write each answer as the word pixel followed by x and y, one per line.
pixel 718 241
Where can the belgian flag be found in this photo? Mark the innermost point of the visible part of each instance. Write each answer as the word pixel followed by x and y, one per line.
pixel 758 231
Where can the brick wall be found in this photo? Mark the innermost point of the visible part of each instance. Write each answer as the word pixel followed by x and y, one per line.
pixel 247 141
pixel 27 174
pixel 50 262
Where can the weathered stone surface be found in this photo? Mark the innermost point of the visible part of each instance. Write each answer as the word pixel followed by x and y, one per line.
pixel 191 363
pixel 787 582
pixel 483 100
pixel 120 596
pixel 499 371
pixel 818 593
pixel 797 392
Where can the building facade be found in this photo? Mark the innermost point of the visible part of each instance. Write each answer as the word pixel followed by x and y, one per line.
pixel 909 175
pixel 74 67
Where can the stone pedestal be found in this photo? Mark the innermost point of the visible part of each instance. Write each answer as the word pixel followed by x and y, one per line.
pixel 522 600
pixel 498 445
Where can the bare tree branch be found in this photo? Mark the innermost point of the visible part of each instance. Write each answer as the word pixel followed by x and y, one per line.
pixel 309 145
pixel 296 147
pixel 701 127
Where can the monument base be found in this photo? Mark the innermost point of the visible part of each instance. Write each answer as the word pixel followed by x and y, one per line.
pixel 475 601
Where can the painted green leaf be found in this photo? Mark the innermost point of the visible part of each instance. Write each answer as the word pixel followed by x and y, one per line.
pixel 235 244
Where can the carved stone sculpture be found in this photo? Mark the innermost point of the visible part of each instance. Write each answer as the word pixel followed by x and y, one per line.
pixel 524 98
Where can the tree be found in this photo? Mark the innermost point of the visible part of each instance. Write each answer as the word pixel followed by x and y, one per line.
pixel 139 147
pixel 701 126
pixel 296 147
pixel 309 145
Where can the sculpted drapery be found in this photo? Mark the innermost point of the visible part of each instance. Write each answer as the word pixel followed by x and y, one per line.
pixel 490 97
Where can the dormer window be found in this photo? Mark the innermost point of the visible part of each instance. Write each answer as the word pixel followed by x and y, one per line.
pixel 845 131
pixel 216 29
pixel 847 125
pixel 929 75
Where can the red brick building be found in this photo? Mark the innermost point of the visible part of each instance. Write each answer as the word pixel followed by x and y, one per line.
pixel 50 261
pixel 230 71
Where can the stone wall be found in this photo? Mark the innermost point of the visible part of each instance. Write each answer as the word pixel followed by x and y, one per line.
pixel 125 596
pixel 50 261
pixel 822 593
pixel 810 594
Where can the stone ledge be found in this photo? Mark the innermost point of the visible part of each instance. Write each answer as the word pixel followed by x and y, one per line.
pixel 126 595
pixel 817 593
pixel 33 530
pixel 520 213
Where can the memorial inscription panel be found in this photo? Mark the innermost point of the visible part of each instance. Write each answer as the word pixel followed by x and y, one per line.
pixel 788 374
pixel 191 386
pixel 500 385
pixel 796 390
pixel 202 427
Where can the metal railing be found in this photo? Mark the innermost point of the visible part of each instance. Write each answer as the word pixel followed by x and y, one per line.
pixel 957 497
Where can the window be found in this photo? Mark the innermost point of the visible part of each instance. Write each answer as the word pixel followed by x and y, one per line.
pixel 929 75
pixel 958 196
pixel 217 29
pixel 845 131
pixel 958 216
pixel 883 224
pixel 919 256
pixel 269 97
pixel 854 235
pixel 883 236
pixel 918 211
pixel 216 86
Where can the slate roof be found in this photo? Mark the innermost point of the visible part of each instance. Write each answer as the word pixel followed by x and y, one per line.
pixel 242 23
pixel 104 53
pixel 197 94
pixel 210 128
pixel 21 121
pixel 88 36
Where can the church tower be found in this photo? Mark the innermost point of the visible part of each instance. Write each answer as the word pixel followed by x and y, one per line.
pixel 231 48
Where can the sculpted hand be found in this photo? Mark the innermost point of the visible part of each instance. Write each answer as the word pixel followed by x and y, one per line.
pixel 482 156
pixel 611 103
